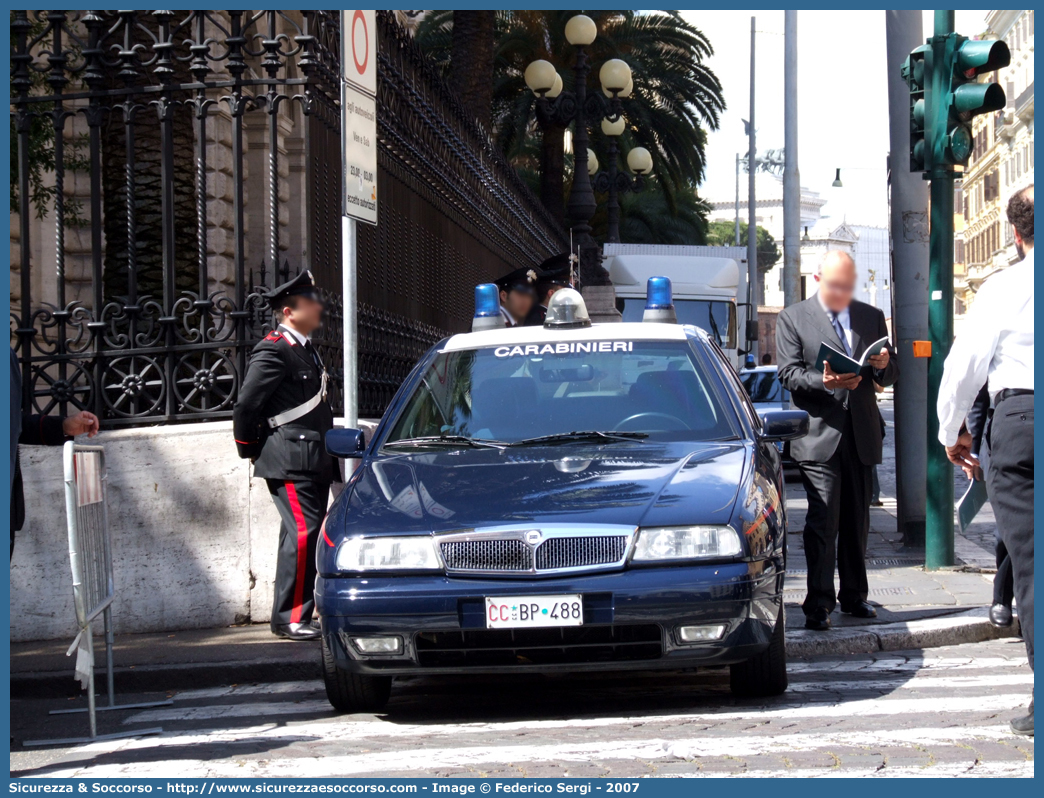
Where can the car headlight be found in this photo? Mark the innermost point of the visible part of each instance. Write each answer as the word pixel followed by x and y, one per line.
pixel 413 553
pixel 686 543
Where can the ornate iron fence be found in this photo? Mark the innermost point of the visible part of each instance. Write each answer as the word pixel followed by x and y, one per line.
pixel 169 161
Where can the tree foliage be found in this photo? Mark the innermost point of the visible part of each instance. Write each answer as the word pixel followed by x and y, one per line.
pixel 675 96
pixel 723 234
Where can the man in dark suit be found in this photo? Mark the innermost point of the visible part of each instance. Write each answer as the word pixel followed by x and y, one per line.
pixel 844 438
pixel 37 430
pixel 280 422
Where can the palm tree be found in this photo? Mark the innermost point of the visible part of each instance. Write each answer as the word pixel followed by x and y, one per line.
pixel 675 94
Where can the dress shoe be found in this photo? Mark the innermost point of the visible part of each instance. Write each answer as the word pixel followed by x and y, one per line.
pixel 1000 615
pixel 1024 725
pixel 819 620
pixel 297 631
pixel 861 609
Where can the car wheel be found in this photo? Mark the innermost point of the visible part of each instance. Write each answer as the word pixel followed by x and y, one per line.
pixel 765 674
pixel 353 692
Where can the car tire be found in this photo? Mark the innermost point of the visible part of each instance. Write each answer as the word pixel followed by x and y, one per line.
pixel 353 692
pixel 766 674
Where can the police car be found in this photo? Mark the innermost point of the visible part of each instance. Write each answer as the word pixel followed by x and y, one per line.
pixel 559 498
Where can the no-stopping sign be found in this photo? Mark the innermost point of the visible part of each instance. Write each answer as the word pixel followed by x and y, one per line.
pixel 359 50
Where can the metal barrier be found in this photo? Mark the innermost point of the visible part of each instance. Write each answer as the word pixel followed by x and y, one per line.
pixel 90 555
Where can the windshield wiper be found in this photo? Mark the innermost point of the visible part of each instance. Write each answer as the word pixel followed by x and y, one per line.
pixel 448 440
pixel 715 329
pixel 583 435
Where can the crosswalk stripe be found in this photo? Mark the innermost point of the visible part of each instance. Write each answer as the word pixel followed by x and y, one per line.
pixel 921 669
pixel 905 664
pixel 917 682
pixel 353 729
pixel 261 688
pixel 994 770
pixel 378 762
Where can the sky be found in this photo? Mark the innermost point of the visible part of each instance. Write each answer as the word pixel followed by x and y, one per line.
pixel 842 102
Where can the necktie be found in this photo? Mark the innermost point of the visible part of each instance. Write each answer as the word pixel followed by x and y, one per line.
pixel 840 333
pixel 315 355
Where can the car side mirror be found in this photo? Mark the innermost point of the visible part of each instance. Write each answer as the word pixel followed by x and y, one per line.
pixel 348 442
pixel 784 425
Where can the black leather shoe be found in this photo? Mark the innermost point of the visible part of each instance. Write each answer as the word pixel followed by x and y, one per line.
pixel 1000 615
pixel 1024 725
pixel 819 620
pixel 296 631
pixel 860 609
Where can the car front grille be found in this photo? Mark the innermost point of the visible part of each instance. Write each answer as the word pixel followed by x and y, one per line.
pixel 487 555
pixel 555 646
pixel 534 552
pixel 579 552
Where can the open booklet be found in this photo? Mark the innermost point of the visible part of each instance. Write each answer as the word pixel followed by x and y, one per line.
pixel 842 363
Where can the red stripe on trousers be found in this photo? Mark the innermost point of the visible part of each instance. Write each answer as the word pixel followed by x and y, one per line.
pixel 302 552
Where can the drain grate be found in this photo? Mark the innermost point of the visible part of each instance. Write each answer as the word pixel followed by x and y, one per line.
pixel 880 591
pixel 877 563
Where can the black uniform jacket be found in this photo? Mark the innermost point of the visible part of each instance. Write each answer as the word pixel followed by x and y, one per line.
pixel 536 316
pixel 281 376
pixel 800 329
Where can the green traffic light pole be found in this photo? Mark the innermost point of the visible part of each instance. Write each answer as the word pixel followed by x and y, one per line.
pixel 938 543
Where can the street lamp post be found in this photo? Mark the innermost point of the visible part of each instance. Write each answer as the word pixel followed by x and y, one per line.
pixel 577 107
pixel 613 181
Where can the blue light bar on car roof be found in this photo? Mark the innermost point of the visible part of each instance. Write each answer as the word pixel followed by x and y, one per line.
pixel 487 308
pixel 659 304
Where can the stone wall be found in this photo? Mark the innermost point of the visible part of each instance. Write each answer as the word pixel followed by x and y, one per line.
pixel 193 535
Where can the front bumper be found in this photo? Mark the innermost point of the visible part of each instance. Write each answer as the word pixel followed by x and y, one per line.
pixel 630 620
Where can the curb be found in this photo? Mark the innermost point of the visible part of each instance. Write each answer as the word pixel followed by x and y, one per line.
pixel 972 626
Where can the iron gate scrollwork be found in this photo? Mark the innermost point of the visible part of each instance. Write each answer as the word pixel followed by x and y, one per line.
pixel 173 164
pixel 208 148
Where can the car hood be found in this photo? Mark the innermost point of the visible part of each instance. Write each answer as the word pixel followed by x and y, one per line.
pixel 646 483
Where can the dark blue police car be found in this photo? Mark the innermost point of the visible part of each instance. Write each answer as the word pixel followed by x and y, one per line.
pixel 559 498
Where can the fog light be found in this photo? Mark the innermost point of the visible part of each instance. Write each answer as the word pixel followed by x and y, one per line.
pixel 701 634
pixel 391 644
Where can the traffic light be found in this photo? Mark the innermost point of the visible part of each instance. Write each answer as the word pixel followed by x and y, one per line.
pixel 963 61
pixel 945 94
pixel 913 72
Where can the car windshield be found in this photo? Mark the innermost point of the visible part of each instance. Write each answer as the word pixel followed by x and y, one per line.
pixel 763 386
pixel 511 394
pixel 716 318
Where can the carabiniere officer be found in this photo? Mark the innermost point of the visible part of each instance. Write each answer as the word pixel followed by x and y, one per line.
pixel 280 423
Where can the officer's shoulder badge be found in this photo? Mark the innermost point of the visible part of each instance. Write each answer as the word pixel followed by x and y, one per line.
pixel 273 336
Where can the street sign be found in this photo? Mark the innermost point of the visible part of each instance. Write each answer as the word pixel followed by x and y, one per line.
pixel 359 145
pixel 359 50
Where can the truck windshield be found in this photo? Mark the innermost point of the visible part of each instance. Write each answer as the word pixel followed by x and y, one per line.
pixel 717 318
pixel 514 393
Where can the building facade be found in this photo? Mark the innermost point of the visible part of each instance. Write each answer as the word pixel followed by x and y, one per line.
pixel 1001 162
pixel 768 192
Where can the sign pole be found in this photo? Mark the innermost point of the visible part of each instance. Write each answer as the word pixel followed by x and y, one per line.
pixel 358 178
pixel 349 263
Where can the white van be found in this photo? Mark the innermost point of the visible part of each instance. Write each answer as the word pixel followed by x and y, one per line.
pixel 709 286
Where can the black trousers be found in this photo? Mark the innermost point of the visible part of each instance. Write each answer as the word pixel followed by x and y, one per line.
pixel 1011 494
pixel 837 525
pixel 1004 579
pixel 302 507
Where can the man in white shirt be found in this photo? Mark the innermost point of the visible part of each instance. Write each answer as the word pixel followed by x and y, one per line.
pixel 996 347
